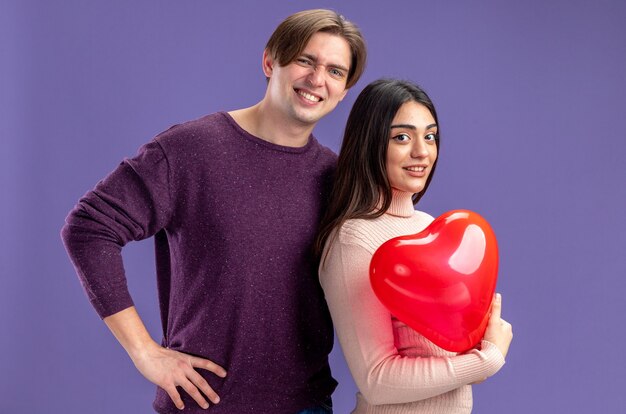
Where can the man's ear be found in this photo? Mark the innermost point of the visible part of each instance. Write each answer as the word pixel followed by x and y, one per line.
pixel 268 64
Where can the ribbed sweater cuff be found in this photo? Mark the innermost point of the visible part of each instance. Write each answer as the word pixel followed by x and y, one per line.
pixel 489 361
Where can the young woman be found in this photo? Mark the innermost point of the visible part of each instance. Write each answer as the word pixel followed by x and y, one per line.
pixel 387 159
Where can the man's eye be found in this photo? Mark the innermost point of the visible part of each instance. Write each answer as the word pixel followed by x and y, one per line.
pixel 304 61
pixel 337 73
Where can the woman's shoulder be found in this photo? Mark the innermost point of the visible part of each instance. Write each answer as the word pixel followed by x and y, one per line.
pixel 358 231
pixel 371 233
pixel 423 217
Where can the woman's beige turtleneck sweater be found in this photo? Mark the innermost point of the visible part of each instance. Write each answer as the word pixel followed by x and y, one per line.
pixel 396 369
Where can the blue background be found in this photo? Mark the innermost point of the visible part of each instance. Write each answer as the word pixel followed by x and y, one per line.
pixel 531 97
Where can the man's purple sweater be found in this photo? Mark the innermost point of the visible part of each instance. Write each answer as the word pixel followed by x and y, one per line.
pixel 233 219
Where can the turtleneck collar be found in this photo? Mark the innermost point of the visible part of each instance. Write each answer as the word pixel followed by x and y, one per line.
pixel 401 204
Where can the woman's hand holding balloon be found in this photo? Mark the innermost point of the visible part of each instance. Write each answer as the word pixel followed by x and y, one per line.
pixel 499 332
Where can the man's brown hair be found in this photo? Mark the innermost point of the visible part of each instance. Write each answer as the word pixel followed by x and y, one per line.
pixel 292 35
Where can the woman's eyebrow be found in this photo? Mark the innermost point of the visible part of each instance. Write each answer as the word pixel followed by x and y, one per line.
pixel 409 126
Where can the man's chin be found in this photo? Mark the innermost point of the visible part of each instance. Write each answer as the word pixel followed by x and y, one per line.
pixel 310 117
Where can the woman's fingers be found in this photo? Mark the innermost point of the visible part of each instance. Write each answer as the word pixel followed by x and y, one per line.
pixel 496 309
pixel 499 332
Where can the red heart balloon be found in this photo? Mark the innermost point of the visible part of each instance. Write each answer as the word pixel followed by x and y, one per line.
pixel 440 281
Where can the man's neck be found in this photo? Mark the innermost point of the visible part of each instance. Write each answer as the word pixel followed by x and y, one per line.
pixel 270 126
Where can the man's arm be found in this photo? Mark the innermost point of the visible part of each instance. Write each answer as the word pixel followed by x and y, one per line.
pixel 132 203
pixel 164 367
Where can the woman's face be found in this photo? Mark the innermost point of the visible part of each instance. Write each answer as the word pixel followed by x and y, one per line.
pixel 412 150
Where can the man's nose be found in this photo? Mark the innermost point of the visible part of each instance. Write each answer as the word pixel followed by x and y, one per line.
pixel 316 77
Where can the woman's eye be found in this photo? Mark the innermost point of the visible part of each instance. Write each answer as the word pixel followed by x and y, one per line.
pixel 431 137
pixel 402 138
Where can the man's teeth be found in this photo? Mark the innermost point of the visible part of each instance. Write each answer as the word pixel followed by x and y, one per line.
pixel 308 96
pixel 415 169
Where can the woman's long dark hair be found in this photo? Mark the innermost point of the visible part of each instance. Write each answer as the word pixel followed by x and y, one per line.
pixel 361 188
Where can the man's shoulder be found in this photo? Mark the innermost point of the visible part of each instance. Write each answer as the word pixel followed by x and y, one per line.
pixel 206 125
pixel 328 153
pixel 198 138
pixel 325 156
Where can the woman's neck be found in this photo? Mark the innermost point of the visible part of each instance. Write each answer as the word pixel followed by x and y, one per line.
pixel 401 204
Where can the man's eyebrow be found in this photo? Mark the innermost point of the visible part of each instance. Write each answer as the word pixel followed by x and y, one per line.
pixel 409 126
pixel 332 65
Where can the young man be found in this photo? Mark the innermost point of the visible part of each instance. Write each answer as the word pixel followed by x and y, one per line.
pixel 233 201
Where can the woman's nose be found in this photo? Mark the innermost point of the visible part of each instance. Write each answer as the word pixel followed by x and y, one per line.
pixel 420 149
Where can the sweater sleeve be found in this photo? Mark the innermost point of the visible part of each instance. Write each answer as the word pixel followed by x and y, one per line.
pixel 365 332
pixel 131 203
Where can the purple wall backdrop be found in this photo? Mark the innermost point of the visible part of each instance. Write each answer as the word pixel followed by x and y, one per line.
pixel 531 99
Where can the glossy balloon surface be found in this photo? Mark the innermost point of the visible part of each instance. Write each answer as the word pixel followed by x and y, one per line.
pixel 440 281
